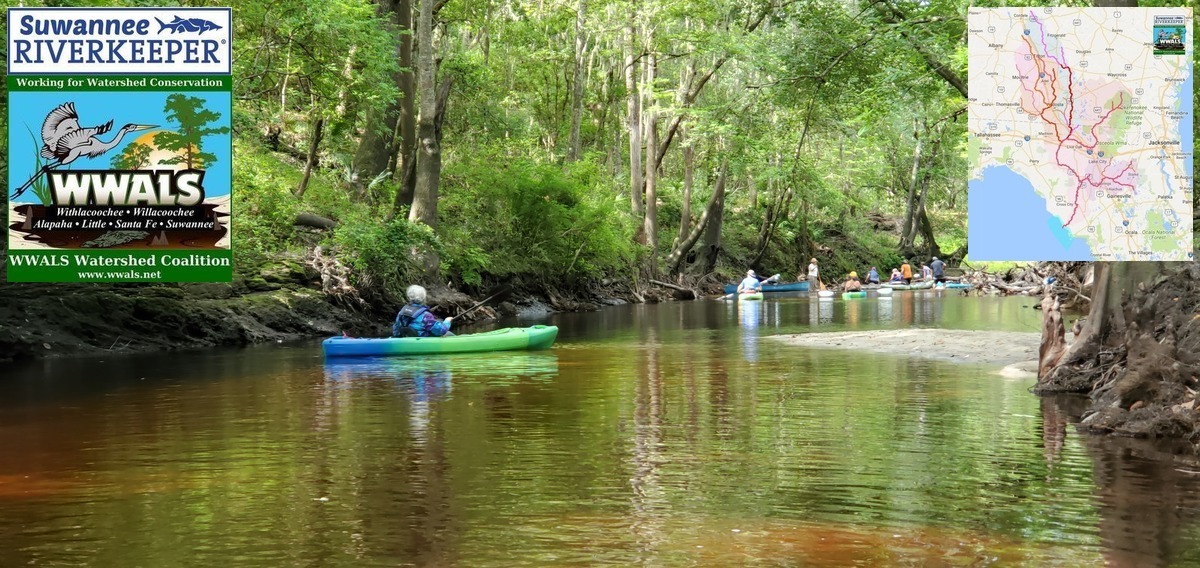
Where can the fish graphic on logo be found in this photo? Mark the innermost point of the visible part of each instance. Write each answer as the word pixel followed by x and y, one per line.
pixel 188 25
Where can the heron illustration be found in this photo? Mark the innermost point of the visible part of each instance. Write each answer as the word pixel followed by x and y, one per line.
pixel 64 141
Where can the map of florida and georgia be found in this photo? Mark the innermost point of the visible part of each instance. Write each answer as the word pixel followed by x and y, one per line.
pixel 1080 134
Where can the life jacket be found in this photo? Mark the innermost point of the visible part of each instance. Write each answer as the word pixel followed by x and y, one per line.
pixel 409 314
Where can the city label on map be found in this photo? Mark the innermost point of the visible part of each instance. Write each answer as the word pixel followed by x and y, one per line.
pixel 1080 139
pixel 119 145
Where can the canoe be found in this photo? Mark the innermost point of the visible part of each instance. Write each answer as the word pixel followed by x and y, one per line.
pixel 884 291
pixel 768 288
pixel 914 286
pixel 750 297
pixel 825 293
pixel 848 295
pixel 507 339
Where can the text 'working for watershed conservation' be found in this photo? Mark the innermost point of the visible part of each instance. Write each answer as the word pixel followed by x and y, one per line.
pixel 119 145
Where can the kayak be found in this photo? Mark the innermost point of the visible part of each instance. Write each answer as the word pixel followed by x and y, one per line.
pixel 848 295
pixel 884 291
pixel 914 286
pixel 754 296
pixel 507 339
pixel 955 285
pixel 768 288
pixel 825 293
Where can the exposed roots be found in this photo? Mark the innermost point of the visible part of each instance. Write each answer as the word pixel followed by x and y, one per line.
pixel 1144 373
pixel 335 279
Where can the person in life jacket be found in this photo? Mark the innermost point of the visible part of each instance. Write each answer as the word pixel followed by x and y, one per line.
pixel 416 320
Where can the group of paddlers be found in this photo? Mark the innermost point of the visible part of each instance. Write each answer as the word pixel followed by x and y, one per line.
pixel 934 271
pixel 904 274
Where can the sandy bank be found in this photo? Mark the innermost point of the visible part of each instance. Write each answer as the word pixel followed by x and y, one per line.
pixel 1019 350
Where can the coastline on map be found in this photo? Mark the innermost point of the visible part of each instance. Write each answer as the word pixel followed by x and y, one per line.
pixel 1007 221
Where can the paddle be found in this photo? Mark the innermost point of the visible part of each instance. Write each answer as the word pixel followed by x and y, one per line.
pixel 774 278
pixel 498 294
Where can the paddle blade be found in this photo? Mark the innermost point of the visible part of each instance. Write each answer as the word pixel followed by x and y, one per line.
pixel 497 295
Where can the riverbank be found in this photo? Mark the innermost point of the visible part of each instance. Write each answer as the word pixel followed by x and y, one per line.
pixel 281 300
pixel 1017 351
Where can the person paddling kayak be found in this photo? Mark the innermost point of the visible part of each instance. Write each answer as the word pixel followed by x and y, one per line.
pixel 852 284
pixel 750 284
pixel 417 320
pixel 873 276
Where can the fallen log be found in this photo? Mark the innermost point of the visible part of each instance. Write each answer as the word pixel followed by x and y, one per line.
pixel 669 285
pixel 315 221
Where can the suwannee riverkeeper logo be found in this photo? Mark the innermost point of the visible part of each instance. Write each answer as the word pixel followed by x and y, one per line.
pixel 119 144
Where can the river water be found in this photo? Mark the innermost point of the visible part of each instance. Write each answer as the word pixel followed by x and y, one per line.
pixel 650 435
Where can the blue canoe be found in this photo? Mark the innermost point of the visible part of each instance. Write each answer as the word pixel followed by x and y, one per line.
pixel 768 288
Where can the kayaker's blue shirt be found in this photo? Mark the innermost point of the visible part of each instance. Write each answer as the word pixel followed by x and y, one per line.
pixel 750 283
pixel 415 320
pixel 872 277
pixel 939 268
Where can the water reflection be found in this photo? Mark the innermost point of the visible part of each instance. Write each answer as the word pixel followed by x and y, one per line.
pixel 662 435
pixel 823 314
pixel 749 315
pixel 885 308
pixel 852 308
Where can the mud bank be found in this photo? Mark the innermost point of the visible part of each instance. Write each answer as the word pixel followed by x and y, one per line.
pixel 1016 350
pixel 281 300
pixel 45 320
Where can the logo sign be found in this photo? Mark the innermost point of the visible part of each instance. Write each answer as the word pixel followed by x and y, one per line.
pixel 119 145
pixel 1170 35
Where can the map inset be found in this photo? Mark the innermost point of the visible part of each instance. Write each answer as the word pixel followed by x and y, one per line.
pixel 1080 137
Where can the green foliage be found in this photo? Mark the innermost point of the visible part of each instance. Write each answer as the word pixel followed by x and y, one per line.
pixel 528 219
pixel 40 187
pixel 264 207
pixel 135 156
pixel 381 254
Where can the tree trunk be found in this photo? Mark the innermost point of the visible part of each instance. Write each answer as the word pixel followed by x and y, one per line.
pixel 926 230
pixel 921 224
pixel 313 144
pixel 675 259
pixel 753 192
pixel 906 243
pixel 650 222
pixel 429 157
pixel 577 83
pixel 689 167
pixel 287 74
pixel 776 212
pixel 343 106
pixel 407 153
pixel 377 143
pixel 712 231
pixel 634 123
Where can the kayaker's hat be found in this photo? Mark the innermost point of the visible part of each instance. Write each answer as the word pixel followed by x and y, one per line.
pixel 935 258
pixel 853 274
pixel 749 273
pixel 813 260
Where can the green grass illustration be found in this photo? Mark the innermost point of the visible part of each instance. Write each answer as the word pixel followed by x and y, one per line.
pixel 40 188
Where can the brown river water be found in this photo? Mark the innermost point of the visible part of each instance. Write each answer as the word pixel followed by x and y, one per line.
pixel 650 435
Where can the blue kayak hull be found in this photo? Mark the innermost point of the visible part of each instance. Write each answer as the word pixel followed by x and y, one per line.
pixel 768 288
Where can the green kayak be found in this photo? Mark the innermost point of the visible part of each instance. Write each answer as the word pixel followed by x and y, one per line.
pixel 507 339
pixel 858 294
pixel 754 296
